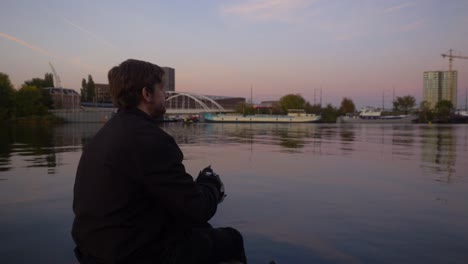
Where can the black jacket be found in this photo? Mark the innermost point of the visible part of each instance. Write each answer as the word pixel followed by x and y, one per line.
pixel 131 190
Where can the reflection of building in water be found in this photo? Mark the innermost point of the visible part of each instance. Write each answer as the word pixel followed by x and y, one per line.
pixel 403 140
pixel 438 149
pixel 466 140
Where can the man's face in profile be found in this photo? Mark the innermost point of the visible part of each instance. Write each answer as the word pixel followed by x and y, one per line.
pixel 157 107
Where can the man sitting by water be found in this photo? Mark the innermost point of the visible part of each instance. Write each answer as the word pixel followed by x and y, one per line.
pixel 133 200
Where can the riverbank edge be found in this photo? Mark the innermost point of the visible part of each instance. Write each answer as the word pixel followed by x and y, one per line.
pixel 49 119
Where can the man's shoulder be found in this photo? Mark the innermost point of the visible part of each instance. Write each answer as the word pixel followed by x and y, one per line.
pixel 130 123
pixel 135 131
pixel 142 129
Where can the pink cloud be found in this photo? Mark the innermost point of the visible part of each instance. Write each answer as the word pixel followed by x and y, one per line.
pixel 412 26
pixel 350 35
pixel 26 44
pixel 398 7
pixel 91 34
pixel 266 10
pixel 74 61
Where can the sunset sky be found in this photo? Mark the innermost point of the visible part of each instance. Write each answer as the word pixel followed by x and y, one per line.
pixel 354 48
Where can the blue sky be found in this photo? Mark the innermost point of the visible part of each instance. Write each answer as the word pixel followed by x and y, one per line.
pixel 358 49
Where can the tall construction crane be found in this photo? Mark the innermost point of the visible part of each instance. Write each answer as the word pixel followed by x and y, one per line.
pixel 57 82
pixel 451 57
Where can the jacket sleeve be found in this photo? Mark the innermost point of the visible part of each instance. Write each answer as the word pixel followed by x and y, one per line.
pixel 166 181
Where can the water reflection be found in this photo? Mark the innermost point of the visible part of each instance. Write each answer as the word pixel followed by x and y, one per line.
pixel 347 138
pixel 438 151
pixel 403 139
pixel 301 193
pixel 32 143
pixel 287 136
pixel 37 145
pixel 284 251
pixel 6 141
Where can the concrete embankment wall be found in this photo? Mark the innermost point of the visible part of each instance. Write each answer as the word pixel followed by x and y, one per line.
pixel 84 116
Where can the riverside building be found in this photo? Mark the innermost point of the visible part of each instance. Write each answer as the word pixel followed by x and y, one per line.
pixel 437 87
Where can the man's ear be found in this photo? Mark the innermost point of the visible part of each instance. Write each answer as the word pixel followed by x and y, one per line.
pixel 147 95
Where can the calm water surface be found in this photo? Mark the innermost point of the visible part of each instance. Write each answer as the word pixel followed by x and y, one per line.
pixel 299 193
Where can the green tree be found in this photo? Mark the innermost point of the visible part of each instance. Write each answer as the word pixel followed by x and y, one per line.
pixel 425 112
pixel 49 79
pixel 347 106
pixel 90 89
pixel 245 108
pixel 444 110
pixel 39 83
pixel 47 100
pixel 329 114
pixel 29 102
pixel 312 109
pixel 36 82
pixel 7 95
pixel 404 103
pixel 292 101
pixel 84 88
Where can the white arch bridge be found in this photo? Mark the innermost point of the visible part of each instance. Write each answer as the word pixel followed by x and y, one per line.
pixel 177 103
pixel 189 103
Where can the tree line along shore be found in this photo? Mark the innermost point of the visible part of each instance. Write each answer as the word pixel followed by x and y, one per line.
pixel 31 104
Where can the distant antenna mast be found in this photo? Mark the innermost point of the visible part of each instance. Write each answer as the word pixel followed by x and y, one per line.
pixel 57 82
pixel 251 94
pixel 315 101
pixel 383 100
pixel 320 96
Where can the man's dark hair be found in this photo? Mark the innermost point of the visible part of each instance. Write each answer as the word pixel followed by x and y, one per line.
pixel 128 79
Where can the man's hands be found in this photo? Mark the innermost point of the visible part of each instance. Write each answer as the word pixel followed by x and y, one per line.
pixel 208 175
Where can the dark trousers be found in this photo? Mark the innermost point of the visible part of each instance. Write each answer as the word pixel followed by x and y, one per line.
pixel 197 246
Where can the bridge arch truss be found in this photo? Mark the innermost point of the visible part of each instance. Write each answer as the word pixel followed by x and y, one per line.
pixel 188 102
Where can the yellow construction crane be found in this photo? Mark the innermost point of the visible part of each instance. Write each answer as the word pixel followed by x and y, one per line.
pixel 451 57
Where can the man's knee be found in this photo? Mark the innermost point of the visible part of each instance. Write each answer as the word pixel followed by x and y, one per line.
pixel 234 234
pixel 228 242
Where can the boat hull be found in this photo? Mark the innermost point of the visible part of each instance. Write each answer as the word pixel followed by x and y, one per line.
pixel 260 119
pixel 357 120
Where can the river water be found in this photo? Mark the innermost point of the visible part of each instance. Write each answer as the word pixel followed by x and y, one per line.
pixel 299 193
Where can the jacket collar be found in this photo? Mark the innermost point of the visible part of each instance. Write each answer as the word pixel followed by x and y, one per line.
pixel 138 112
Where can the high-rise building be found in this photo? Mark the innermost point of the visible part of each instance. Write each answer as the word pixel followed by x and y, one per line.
pixel 169 79
pixel 102 93
pixel 437 87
